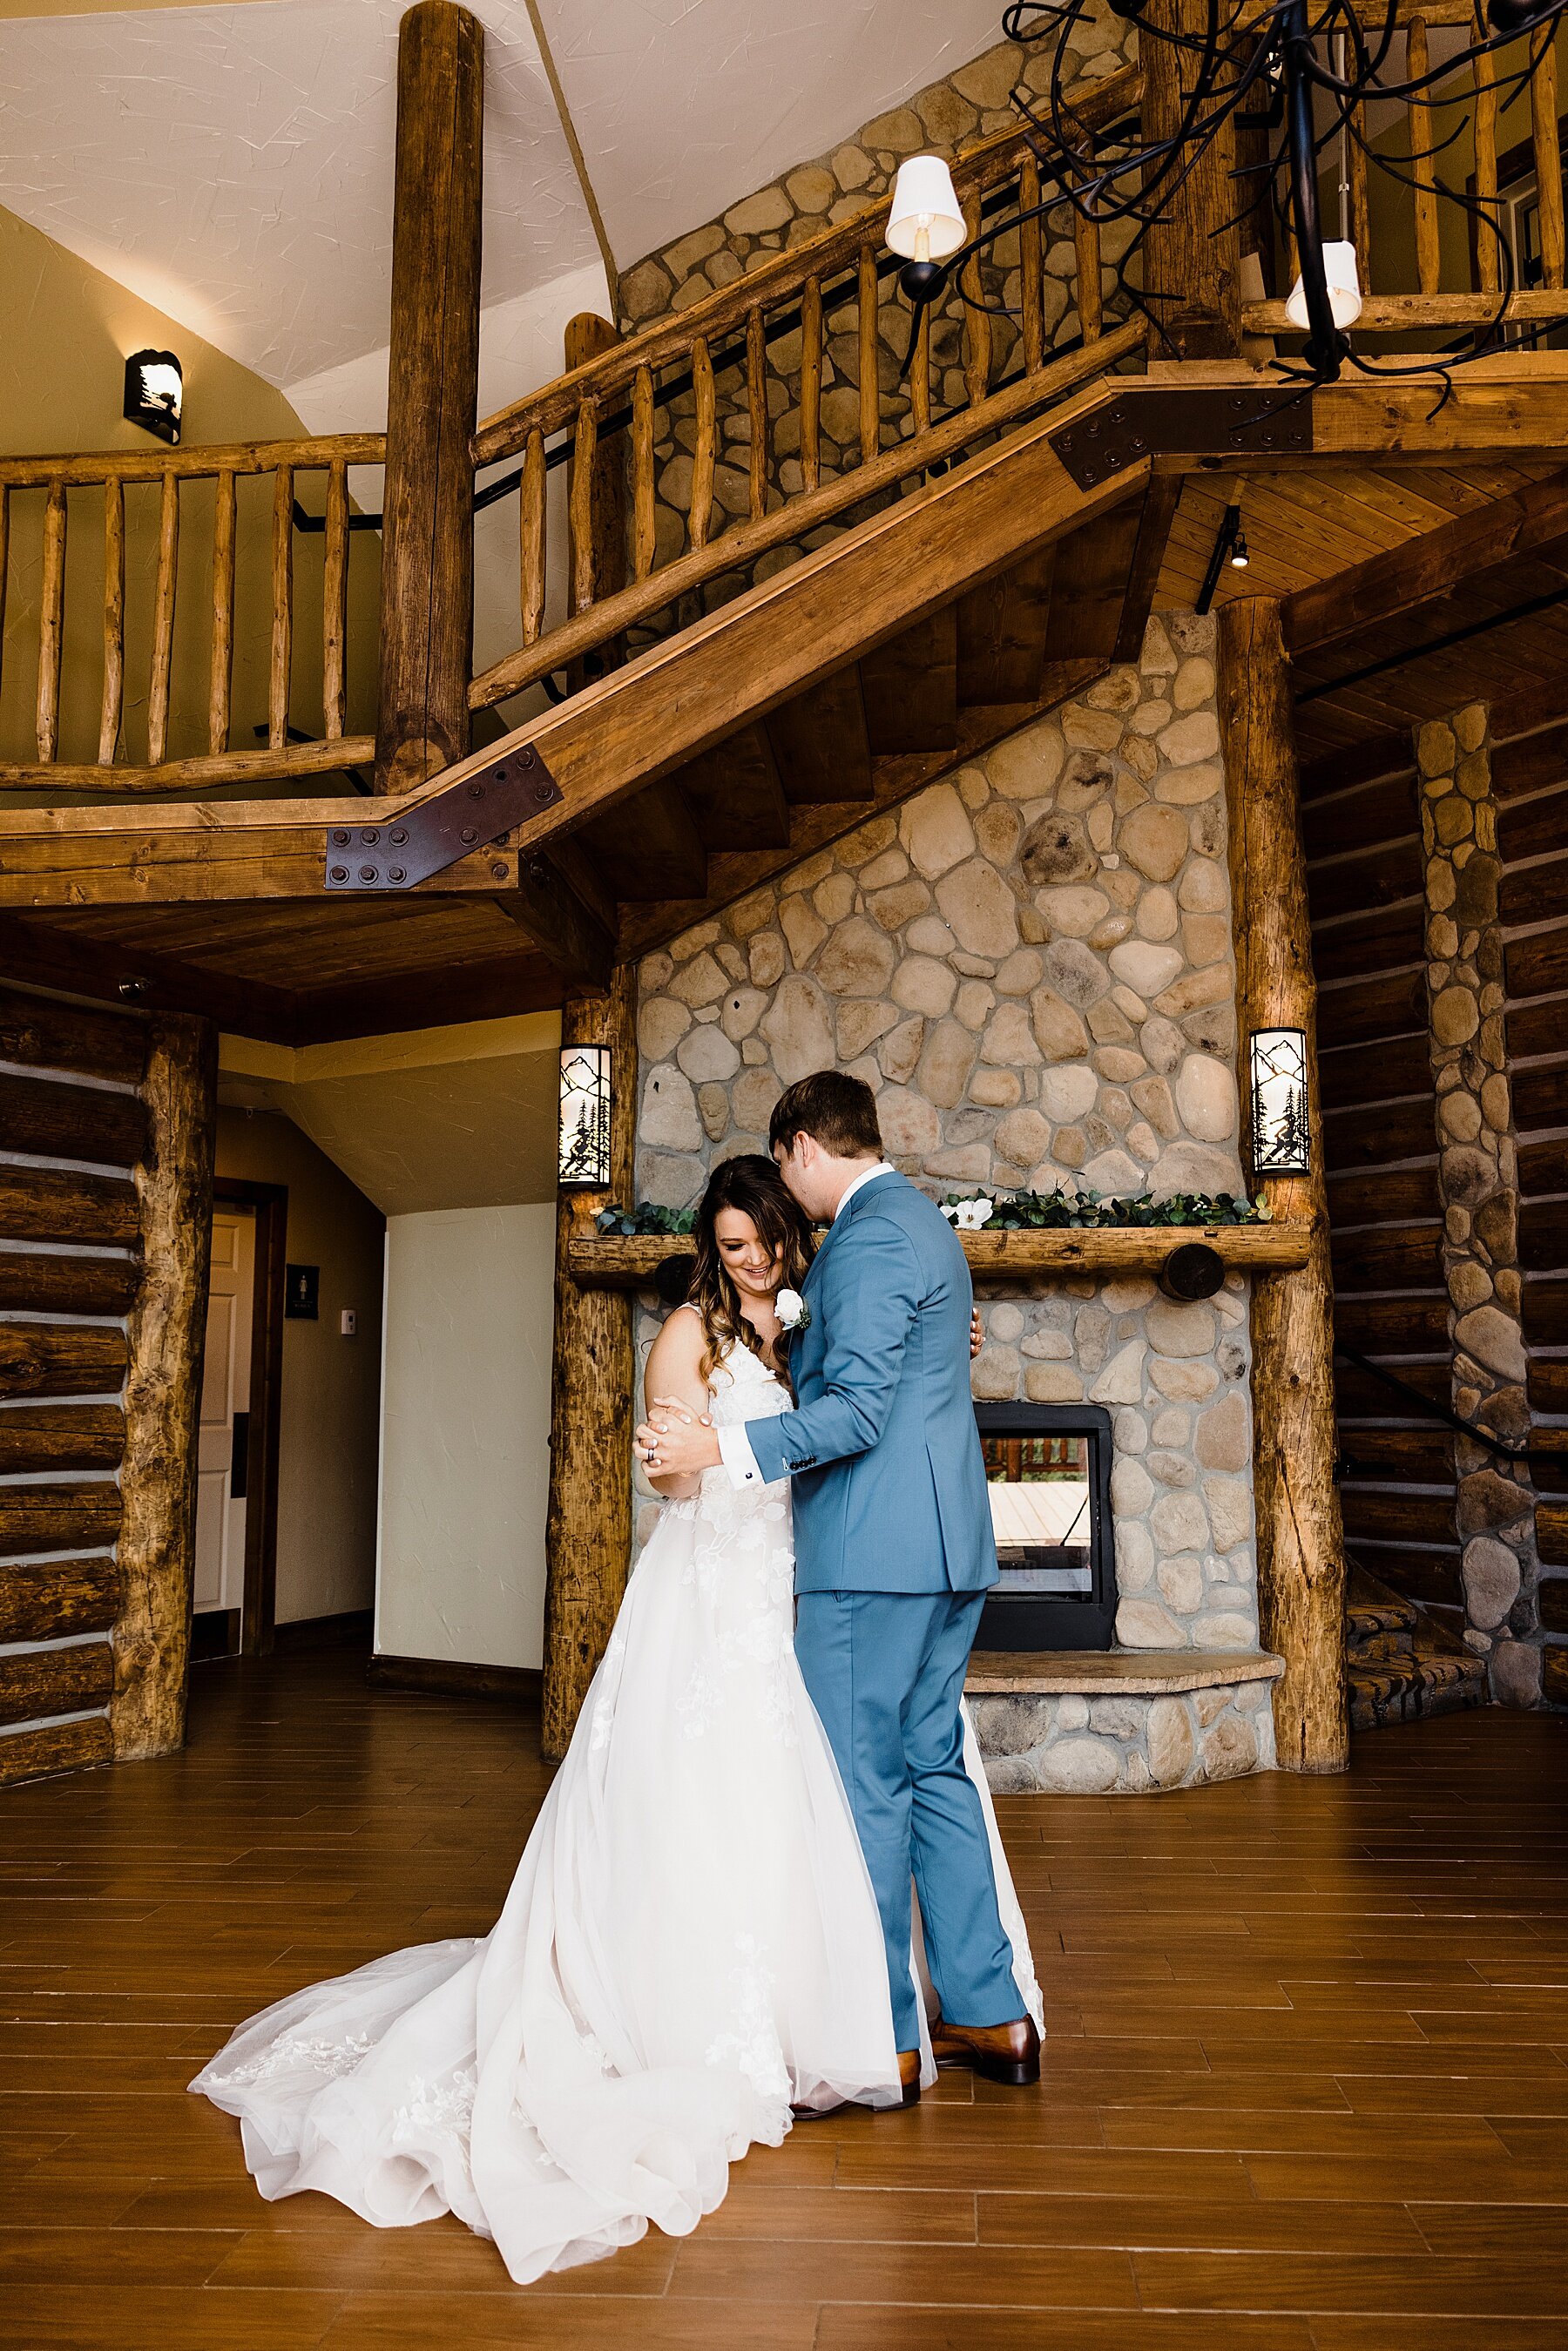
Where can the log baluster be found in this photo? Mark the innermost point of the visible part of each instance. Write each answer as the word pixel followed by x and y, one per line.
pixel 531 538
pixel 1489 260
pixel 811 383
pixel 282 609
pixel 870 383
pixel 1300 1539
pixel 920 374
pixel 335 604
pixel 1360 201
pixel 1031 267
pixel 977 323
pixel 757 412
pixel 643 536
pixel 221 680
pixel 579 505
pixel 1548 155
pixel 5 561
pixel 704 452
pixel 1086 251
pixel 51 621
pixel 113 704
pixel 1422 166
pixel 164 622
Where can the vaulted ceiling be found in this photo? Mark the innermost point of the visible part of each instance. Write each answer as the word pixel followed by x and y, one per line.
pixel 233 164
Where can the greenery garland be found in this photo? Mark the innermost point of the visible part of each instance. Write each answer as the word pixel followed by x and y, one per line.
pixel 1010 1213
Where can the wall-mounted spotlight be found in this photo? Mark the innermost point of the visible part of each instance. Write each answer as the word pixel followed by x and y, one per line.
pixel 1230 547
pixel 154 392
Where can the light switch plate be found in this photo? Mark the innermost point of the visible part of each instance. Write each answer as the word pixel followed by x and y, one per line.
pixel 348 1322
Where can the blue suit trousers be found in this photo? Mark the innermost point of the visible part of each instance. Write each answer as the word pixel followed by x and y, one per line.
pixel 885 1671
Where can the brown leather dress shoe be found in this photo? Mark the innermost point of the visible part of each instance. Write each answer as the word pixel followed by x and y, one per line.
pixel 908 2074
pixel 1000 2052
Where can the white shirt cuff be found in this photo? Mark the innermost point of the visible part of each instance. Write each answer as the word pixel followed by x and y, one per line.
pixel 735 1452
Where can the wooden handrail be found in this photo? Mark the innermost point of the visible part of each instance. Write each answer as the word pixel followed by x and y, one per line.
pixel 587 630
pixel 194 465
pixel 832 254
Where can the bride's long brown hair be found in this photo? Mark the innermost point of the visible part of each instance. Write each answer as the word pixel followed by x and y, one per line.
pixel 753 1185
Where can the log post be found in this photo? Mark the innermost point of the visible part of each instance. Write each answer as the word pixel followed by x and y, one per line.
pixel 1193 259
pixel 167 1333
pixel 1300 1540
pixel 427 541
pixel 588 1525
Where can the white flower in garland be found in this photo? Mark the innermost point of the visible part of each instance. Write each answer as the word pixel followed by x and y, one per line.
pixel 972 1216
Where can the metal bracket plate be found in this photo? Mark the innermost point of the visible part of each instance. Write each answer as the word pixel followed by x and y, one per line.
pixel 426 840
pixel 1206 422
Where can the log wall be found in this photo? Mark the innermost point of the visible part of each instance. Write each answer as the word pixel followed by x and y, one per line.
pixel 86 1155
pixel 1365 883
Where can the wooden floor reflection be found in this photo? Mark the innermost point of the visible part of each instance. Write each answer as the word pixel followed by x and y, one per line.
pixel 1306 2085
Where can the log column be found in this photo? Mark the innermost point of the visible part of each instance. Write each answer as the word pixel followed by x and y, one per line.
pixel 167 1333
pixel 588 1527
pixel 428 544
pixel 1301 1541
pixel 1194 258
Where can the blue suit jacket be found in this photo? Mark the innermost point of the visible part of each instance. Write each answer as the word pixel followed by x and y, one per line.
pixel 889 1482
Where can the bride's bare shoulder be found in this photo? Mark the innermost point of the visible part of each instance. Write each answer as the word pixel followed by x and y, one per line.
pixel 678 1349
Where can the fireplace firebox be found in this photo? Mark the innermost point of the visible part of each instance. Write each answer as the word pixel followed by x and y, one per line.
pixel 1048 1466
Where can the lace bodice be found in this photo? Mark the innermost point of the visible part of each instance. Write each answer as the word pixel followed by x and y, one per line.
pixel 743 1388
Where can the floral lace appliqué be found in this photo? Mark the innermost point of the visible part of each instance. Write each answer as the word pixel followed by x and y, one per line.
pixel 331 2059
pixel 753 2044
pixel 439 2105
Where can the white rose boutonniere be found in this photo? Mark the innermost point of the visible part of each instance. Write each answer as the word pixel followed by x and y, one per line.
pixel 793 1313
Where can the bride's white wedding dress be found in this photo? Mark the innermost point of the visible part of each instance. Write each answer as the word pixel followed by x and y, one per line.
pixel 690 1945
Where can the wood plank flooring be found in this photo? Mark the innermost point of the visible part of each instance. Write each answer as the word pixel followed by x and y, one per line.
pixel 1306 2086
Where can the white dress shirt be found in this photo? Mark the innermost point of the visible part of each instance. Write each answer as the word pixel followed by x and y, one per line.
pixel 734 1444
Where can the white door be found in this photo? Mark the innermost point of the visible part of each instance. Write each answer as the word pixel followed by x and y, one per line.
pixel 226 1393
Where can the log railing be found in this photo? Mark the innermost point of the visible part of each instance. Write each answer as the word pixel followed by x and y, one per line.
pixel 88 502
pixel 1464 293
pixel 801 313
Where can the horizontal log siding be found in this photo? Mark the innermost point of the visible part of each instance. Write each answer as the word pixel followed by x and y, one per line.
pixel 70 1262
pixel 1530 778
pixel 1364 882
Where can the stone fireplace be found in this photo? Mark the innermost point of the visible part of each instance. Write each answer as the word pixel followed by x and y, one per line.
pixel 1031 964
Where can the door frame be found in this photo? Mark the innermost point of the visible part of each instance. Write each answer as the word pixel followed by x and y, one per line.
pixel 270 1203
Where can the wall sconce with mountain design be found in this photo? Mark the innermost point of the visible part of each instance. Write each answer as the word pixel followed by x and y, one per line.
pixel 1281 1128
pixel 154 393
pixel 583 1163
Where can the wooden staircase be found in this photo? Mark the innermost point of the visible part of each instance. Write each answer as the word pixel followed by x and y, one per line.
pixel 1400 1666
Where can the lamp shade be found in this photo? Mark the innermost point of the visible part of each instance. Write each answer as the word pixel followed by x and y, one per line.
pixel 1344 289
pixel 926 223
pixel 584 1140
pixel 154 393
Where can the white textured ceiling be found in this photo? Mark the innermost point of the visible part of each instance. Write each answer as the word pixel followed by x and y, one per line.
pixel 233 164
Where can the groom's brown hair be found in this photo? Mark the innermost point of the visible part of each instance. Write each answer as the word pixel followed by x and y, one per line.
pixel 837 1112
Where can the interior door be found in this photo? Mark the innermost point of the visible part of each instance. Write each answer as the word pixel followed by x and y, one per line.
pixel 225 1433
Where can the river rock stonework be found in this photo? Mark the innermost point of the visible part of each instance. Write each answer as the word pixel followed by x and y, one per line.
pixel 1030 965
pixel 1478 1185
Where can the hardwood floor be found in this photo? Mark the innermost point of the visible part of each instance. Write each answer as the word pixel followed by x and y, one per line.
pixel 1306 2086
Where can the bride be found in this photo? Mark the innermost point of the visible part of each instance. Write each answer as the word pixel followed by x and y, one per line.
pixel 690 1955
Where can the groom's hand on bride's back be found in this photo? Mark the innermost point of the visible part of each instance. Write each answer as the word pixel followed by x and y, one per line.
pixel 976 1333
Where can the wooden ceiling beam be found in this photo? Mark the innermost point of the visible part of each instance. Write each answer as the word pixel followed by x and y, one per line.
pixel 1429 568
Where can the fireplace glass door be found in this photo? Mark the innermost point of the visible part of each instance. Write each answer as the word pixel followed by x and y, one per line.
pixel 1048 1470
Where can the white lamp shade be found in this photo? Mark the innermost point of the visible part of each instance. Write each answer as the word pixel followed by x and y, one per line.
pixel 1344 289
pixel 925 211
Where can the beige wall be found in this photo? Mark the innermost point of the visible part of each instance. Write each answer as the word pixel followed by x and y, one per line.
pixel 68 330
pixel 465 1434
pixel 331 1386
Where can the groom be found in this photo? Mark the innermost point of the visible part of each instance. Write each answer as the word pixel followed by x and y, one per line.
pixel 893 1556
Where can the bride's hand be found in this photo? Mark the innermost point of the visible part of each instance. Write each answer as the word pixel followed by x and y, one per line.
pixel 674 1442
pixel 977 1334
